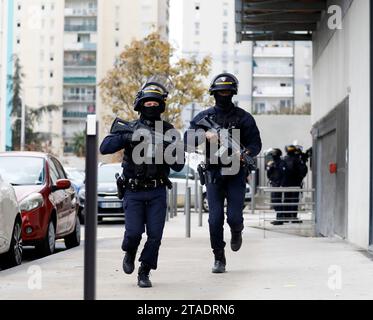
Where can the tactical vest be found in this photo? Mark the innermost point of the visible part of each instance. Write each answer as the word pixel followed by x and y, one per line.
pixel 145 171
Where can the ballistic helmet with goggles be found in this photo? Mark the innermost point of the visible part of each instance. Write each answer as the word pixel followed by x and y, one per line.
pixel 224 82
pixel 151 91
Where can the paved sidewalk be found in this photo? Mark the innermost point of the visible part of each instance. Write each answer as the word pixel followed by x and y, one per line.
pixel 279 267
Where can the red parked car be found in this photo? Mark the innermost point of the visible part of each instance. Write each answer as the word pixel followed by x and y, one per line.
pixel 46 199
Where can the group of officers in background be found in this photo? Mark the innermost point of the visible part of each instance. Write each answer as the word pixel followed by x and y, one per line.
pixel 286 171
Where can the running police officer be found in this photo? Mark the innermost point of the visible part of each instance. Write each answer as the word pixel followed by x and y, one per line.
pixel 221 186
pixel 296 171
pixel 145 182
pixel 276 170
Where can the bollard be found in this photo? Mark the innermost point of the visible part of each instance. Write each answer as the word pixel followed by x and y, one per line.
pixel 196 202
pixel 253 187
pixel 175 200
pixel 187 212
pixel 90 210
pixel 200 197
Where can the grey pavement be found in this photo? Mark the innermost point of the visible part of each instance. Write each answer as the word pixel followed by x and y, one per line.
pixel 280 266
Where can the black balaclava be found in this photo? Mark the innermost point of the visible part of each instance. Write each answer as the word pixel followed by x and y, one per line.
pixel 151 113
pixel 224 102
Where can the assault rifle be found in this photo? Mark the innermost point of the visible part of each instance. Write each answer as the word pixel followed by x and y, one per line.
pixel 122 126
pixel 209 124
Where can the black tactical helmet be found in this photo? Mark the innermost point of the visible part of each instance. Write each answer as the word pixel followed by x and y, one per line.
pixel 151 91
pixel 291 149
pixel 224 82
pixel 274 153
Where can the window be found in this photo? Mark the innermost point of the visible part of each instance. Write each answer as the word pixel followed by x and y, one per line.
pixel 51 74
pixel 18 24
pixel 41 55
pixel 197 6
pixel 51 41
pixel 51 57
pixel 196 28
pixel 42 7
pixel 60 170
pixel 53 172
pixel 116 26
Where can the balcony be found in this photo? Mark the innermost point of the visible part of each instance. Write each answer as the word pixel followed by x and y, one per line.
pixel 273 52
pixel 79 98
pixel 79 80
pixel 75 114
pixel 80 12
pixel 273 72
pixel 273 92
pixel 82 46
pixel 80 28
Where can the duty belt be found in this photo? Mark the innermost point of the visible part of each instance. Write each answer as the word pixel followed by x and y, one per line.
pixel 137 184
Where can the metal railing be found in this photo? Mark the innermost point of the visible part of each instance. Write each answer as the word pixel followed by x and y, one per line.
pixel 295 205
pixel 75 28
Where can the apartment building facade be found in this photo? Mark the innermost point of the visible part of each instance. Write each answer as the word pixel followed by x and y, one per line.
pixel 67 46
pixel 274 77
pixel 281 78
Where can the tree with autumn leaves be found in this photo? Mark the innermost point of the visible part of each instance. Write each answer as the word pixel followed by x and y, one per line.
pixel 149 57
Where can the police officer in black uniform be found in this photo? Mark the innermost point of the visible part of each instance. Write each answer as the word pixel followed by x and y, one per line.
pixel 144 201
pixel 220 186
pixel 296 171
pixel 276 170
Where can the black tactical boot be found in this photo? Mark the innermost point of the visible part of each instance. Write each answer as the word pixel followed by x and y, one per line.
pixel 220 262
pixel 143 277
pixel 236 240
pixel 129 262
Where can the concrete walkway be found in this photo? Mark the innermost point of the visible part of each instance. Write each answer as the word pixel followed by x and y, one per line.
pixel 279 267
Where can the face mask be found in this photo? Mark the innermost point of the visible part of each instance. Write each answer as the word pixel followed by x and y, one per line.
pixel 151 113
pixel 224 102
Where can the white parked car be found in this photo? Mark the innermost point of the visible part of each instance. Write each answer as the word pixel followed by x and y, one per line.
pixel 10 227
pixel 181 179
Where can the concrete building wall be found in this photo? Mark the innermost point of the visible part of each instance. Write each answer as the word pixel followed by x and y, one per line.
pixel 341 69
pixel 209 30
pixel 277 131
pixel 302 73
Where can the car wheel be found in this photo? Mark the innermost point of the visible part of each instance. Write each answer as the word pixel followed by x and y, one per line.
pixel 48 245
pixel 14 256
pixel 73 239
pixel 205 203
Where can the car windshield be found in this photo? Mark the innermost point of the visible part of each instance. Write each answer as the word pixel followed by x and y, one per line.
pixel 107 173
pixel 22 171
